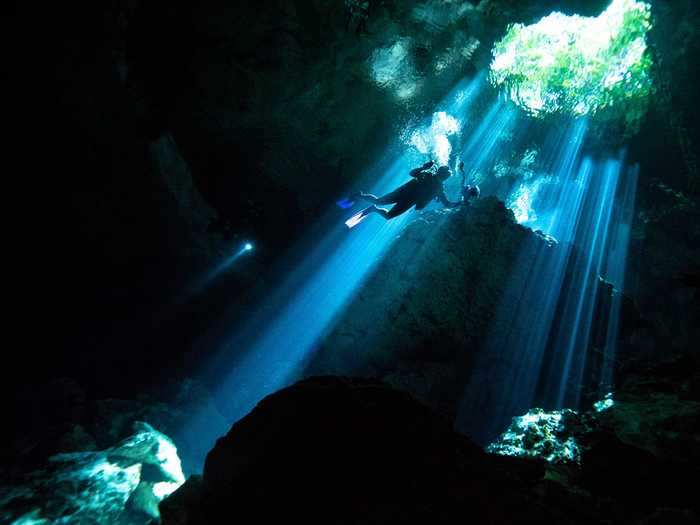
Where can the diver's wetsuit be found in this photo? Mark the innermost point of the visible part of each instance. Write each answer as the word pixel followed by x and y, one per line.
pixel 424 187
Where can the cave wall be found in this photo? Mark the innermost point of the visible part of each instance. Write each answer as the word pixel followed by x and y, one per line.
pixel 452 282
pixel 664 261
pixel 154 136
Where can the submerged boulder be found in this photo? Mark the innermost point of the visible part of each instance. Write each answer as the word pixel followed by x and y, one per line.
pixel 539 434
pixel 633 451
pixel 350 450
pixel 657 409
pixel 121 485
pixel 418 321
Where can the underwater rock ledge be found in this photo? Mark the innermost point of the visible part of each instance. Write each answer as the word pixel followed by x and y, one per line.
pixel 419 320
pixel 352 450
pixel 122 484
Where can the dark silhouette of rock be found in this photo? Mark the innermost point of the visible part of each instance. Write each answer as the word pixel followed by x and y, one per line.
pixel 343 450
pixel 351 450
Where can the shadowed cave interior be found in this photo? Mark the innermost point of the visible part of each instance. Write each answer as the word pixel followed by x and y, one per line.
pixel 219 328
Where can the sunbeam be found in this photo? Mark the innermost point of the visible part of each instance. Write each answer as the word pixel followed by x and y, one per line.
pixel 538 350
pixel 269 349
pixel 542 331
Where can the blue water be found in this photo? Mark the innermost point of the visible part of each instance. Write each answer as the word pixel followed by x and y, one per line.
pixel 270 347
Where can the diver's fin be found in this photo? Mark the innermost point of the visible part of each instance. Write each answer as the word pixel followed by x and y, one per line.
pixel 345 203
pixel 356 219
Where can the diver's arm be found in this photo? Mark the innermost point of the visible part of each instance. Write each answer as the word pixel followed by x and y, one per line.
pixel 417 172
pixel 443 199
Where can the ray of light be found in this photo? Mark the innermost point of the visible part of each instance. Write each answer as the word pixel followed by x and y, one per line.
pixel 270 348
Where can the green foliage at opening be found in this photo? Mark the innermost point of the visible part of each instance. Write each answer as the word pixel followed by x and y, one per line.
pixel 579 65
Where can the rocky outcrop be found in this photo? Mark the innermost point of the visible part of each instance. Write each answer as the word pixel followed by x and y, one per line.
pixel 419 320
pixel 665 265
pixel 657 409
pixel 60 418
pixel 349 450
pixel 342 450
pixel 121 485
pixel 633 452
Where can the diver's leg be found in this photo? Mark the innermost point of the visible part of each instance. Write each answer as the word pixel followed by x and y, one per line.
pixel 386 199
pixel 362 214
pixel 398 209
pixel 367 197
pixel 374 209
pixel 395 211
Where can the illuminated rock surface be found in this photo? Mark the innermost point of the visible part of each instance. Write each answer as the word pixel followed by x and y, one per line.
pixel 120 485
pixel 551 435
pixel 633 445
pixel 539 434
pixel 656 412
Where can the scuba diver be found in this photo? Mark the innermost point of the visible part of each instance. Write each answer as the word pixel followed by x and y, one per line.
pixel 419 191
pixel 469 191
